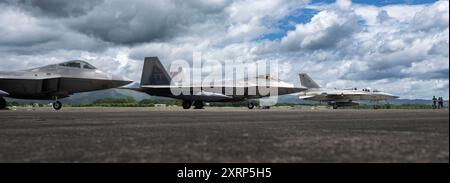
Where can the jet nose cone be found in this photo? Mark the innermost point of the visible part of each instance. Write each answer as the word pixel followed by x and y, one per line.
pixel 120 80
pixel 392 96
pixel 3 93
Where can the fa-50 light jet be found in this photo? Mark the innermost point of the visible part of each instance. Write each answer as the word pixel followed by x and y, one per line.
pixel 156 81
pixel 56 81
pixel 336 97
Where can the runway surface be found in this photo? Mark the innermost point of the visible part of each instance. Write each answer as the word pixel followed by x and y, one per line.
pixel 231 135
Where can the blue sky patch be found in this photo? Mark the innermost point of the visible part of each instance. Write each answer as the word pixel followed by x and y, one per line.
pixel 379 2
pixel 304 15
pixel 288 23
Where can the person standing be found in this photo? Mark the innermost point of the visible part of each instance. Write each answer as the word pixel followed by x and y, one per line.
pixel 440 103
pixel 434 102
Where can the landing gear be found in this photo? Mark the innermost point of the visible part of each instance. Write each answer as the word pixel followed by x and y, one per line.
pixel 57 105
pixel 198 104
pixel 265 107
pixel 335 106
pixel 250 105
pixel 186 104
pixel 377 104
pixel 2 103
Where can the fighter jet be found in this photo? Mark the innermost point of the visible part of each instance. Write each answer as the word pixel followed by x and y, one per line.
pixel 53 82
pixel 339 98
pixel 156 81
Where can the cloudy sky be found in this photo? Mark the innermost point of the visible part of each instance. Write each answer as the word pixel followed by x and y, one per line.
pixel 399 46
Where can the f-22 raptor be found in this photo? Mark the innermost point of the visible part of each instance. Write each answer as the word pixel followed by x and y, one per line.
pixel 156 81
pixel 53 82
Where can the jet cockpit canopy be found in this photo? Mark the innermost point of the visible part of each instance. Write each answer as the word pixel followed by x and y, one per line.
pixel 267 77
pixel 77 64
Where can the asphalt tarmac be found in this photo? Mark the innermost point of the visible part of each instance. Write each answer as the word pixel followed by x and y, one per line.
pixel 223 135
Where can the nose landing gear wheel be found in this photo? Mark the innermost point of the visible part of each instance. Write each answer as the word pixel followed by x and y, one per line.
pixel 2 103
pixel 57 105
pixel 198 105
pixel 250 105
pixel 186 104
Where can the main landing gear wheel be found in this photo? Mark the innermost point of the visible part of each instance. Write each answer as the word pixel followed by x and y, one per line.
pixel 2 103
pixel 57 105
pixel 198 105
pixel 186 104
pixel 335 106
pixel 250 105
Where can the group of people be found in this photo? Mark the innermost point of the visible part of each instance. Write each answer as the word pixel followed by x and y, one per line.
pixel 439 101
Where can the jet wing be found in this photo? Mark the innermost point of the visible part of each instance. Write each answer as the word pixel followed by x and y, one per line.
pixel 200 88
pixel 337 94
pixel 281 89
pixel 201 92
pixel 353 95
pixel 143 88
pixel 190 86
pixel 215 91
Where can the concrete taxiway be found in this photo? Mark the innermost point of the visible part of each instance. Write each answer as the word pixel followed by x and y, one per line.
pixel 223 135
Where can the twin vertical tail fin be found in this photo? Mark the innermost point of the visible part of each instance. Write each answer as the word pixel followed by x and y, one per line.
pixel 306 81
pixel 154 73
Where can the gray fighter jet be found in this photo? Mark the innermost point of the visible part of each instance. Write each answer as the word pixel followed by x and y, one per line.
pixel 56 81
pixel 338 98
pixel 156 81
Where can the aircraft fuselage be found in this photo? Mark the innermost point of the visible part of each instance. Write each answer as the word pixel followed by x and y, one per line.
pixel 56 81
